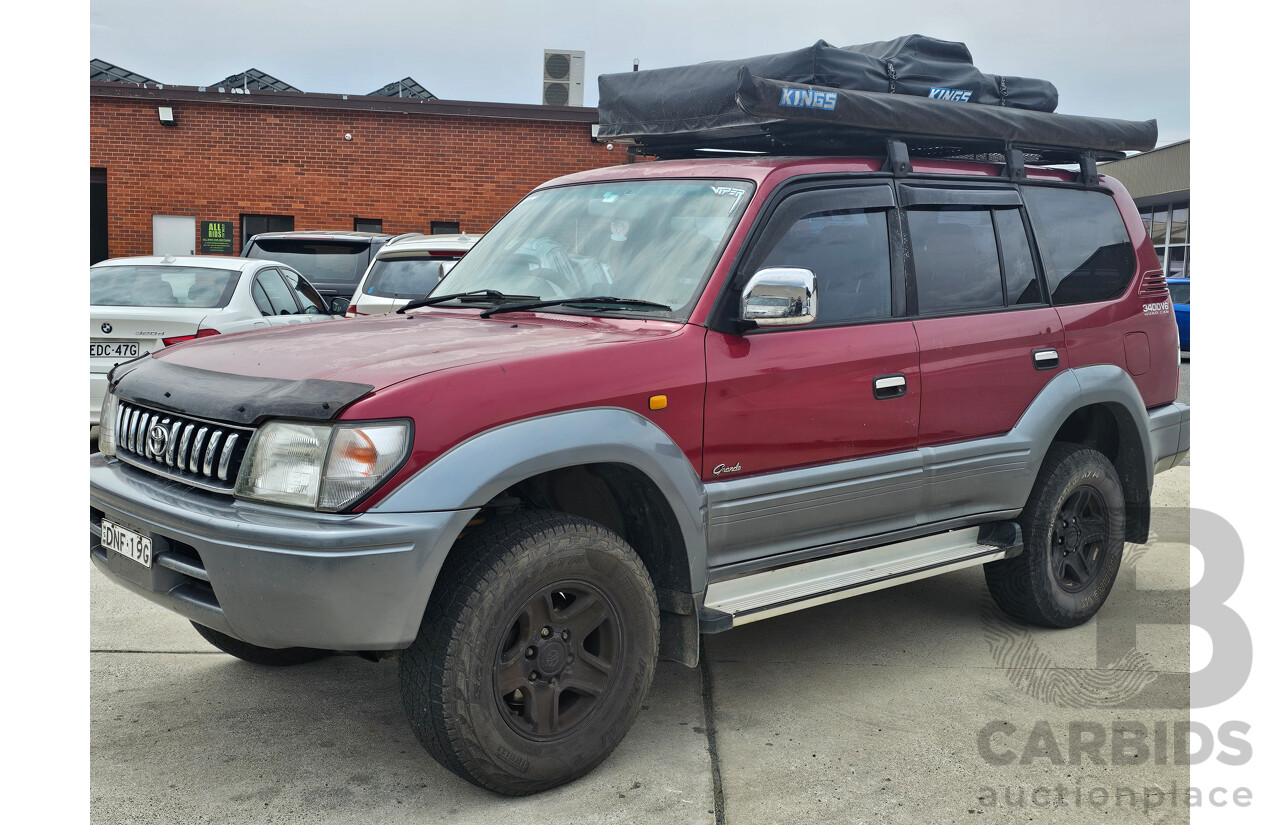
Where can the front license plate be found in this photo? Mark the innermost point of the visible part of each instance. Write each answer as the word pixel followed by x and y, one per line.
pixel 127 543
pixel 98 349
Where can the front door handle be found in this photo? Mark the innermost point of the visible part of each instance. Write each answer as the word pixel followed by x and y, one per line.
pixel 885 387
pixel 1045 359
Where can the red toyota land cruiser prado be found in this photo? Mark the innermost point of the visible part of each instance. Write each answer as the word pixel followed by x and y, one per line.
pixel 670 398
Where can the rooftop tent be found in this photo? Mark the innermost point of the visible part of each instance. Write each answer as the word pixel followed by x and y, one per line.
pixel 824 99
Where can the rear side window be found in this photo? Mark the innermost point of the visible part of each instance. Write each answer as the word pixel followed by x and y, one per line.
pixel 323 261
pixel 279 296
pixel 405 277
pixel 1180 293
pixel 161 286
pixel 1020 282
pixel 957 268
pixel 1086 250
pixel 308 298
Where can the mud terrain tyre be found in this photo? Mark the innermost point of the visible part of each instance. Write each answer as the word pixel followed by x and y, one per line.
pixel 538 644
pixel 1073 533
pixel 259 655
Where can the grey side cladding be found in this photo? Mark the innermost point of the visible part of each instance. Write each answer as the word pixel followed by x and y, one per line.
pixel 825 507
pixel 1170 435
pixel 472 473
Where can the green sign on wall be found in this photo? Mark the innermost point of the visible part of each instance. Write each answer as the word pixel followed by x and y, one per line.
pixel 215 237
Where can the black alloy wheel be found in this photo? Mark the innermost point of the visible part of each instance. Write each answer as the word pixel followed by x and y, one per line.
pixel 1080 534
pixel 557 659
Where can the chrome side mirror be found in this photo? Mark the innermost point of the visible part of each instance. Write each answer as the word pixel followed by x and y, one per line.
pixel 780 297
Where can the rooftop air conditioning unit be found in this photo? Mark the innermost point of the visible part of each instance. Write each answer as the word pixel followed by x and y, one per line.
pixel 562 75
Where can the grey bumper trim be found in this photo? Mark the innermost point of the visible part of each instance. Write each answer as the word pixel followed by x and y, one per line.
pixel 275 577
pixel 1170 427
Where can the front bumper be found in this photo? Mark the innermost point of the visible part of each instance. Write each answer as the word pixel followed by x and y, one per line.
pixel 1170 427
pixel 273 576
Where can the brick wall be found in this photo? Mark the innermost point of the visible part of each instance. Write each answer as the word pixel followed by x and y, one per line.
pixel 222 160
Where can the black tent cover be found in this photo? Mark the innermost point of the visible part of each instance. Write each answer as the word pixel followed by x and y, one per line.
pixel 828 100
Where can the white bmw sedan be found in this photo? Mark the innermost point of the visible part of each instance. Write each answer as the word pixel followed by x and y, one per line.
pixel 138 305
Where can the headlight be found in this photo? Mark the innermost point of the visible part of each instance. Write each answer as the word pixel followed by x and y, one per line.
pixel 321 466
pixel 107 425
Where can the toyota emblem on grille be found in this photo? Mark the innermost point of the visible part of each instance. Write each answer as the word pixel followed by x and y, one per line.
pixel 157 440
pixel 106 328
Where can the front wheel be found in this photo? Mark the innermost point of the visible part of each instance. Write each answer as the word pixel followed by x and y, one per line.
pixel 1073 529
pixel 538 645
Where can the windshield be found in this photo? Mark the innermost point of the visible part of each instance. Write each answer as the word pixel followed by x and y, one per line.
pixel 649 240
pixel 320 260
pixel 406 277
pixel 161 286
pixel 1181 293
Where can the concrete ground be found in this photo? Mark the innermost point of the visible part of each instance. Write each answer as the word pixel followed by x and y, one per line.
pixel 898 706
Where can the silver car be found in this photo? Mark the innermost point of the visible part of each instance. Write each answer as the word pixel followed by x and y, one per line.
pixel 138 305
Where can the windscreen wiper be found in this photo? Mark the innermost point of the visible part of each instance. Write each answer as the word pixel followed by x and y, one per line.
pixel 595 299
pixel 431 300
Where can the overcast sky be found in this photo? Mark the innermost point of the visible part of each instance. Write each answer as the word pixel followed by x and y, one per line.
pixel 1108 58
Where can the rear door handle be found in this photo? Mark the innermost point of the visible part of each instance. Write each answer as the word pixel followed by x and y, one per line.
pixel 1045 359
pixel 885 387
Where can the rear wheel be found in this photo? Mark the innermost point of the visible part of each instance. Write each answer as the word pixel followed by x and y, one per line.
pixel 1073 529
pixel 539 643
pixel 259 655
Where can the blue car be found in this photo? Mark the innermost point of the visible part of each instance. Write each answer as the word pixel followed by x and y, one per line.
pixel 1180 294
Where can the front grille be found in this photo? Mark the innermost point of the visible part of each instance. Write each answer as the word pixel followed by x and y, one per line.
pixel 201 453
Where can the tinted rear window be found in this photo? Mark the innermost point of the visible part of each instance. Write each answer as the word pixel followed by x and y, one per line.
pixel 1086 251
pixel 1180 293
pixel 161 286
pixel 405 277
pixel 1020 281
pixel 323 261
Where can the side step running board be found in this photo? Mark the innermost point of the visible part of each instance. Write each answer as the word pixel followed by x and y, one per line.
pixel 774 592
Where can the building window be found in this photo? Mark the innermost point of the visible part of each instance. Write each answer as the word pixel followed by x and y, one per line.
pixel 251 225
pixel 445 228
pixel 368 224
pixel 1169 226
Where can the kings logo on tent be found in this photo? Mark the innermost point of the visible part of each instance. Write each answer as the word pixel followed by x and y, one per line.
pixel 958 95
pixel 808 99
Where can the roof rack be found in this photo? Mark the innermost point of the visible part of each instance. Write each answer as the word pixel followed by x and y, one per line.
pixel 777 117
